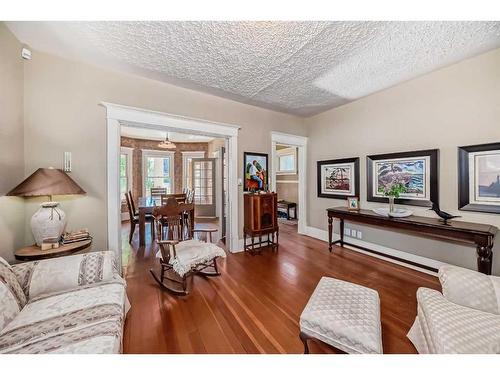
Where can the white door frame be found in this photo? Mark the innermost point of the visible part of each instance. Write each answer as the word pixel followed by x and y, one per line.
pixel 117 114
pixel 301 144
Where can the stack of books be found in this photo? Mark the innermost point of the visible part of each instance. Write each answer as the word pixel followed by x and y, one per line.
pixel 71 237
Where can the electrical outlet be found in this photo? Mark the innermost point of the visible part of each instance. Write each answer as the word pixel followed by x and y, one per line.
pixel 353 233
pixel 360 235
pixel 347 232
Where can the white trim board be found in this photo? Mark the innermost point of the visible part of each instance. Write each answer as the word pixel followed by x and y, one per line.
pixel 300 143
pixel 322 235
pixel 117 114
pixel 287 181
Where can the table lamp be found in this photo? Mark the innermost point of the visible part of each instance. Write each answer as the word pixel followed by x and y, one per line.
pixel 49 221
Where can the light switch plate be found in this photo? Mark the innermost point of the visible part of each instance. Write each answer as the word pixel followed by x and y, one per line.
pixel 353 232
pixel 347 232
pixel 359 235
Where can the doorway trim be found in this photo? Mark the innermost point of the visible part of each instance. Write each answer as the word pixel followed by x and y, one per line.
pixel 301 144
pixel 117 114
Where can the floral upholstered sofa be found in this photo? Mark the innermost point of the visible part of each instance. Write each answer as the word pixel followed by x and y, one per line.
pixel 73 304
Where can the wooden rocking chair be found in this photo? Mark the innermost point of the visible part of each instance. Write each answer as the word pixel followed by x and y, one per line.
pixel 181 256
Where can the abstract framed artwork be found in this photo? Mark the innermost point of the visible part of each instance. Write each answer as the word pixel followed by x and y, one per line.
pixel 479 178
pixel 255 171
pixel 338 178
pixel 416 171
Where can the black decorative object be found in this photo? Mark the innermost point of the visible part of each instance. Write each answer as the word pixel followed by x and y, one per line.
pixel 338 178
pixel 445 216
pixel 416 170
pixel 479 178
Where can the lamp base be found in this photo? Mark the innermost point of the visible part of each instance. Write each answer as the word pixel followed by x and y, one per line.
pixel 48 222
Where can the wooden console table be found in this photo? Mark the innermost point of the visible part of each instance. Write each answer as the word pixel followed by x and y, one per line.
pixel 35 253
pixel 480 235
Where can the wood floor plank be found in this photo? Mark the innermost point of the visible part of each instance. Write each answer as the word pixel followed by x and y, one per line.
pixel 255 305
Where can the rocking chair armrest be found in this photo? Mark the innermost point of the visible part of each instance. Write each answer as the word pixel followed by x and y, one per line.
pixel 167 242
pixel 205 230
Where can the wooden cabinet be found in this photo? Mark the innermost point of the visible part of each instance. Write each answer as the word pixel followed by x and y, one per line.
pixel 261 221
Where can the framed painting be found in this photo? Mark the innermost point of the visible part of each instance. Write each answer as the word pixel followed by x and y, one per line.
pixel 479 178
pixel 255 171
pixel 415 171
pixel 338 178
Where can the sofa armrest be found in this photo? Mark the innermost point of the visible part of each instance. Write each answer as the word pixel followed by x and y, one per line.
pixel 65 273
pixel 470 288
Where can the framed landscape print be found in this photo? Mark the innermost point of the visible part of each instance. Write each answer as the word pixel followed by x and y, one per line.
pixel 255 171
pixel 479 178
pixel 415 171
pixel 338 178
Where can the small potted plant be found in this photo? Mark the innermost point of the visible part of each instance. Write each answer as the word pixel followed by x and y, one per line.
pixel 393 191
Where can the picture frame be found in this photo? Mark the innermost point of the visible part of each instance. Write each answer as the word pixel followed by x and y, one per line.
pixel 479 178
pixel 255 171
pixel 338 178
pixel 417 170
pixel 353 203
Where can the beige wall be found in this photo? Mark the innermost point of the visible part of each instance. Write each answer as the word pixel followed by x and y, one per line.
pixel 62 114
pixel 11 143
pixel 455 106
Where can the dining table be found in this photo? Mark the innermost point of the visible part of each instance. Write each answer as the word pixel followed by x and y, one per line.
pixel 146 206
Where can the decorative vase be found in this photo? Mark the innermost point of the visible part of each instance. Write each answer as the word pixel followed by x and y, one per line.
pixel 48 222
pixel 391 203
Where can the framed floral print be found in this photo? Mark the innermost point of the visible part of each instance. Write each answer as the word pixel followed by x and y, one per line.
pixel 414 173
pixel 479 178
pixel 338 178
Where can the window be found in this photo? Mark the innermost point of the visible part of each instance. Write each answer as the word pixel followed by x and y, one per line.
pixel 158 170
pixel 287 160
pixel 125 171
pixel 187 167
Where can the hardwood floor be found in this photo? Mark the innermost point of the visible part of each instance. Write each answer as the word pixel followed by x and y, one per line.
pixel 254 307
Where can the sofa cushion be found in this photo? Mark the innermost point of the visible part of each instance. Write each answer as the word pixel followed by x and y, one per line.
pixel 9 306
pixel 470 288
pixel 66 273
pixel 8 277
pixel 69 322
pixel 448 328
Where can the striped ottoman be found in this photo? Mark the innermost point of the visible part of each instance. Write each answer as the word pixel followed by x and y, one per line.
pixel 343 315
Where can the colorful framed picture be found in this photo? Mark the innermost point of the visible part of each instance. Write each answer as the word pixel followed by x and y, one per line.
pixel 479 178
pixel 338 178
pixel 255 171
pixel 416 172
pixel 353 203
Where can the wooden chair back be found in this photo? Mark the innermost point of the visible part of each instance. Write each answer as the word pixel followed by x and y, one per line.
pixel 131 213
pixel 189 196
pixel 158 192
pixel 174 220
pixel 180 198
pixel 132 202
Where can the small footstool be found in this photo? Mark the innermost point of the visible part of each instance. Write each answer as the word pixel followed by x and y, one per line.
pixel 343 315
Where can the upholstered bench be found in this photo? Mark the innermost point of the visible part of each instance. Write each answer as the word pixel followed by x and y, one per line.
pixel 343 315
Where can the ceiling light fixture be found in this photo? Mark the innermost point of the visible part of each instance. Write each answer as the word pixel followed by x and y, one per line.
pixel 167 144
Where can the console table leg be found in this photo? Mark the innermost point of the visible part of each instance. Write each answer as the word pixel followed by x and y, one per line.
pixel 484 259
pixel 330 230
pixel 341 232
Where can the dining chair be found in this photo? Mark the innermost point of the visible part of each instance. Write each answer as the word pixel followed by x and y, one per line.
pixel 132 203
pixel 134 220
pixel 180 198
pixel 157 192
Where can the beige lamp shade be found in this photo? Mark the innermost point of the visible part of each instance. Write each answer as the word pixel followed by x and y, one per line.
pixel 46 181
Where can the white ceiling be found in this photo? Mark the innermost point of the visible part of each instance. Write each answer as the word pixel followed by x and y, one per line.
pixel 159 135
pixel 301 68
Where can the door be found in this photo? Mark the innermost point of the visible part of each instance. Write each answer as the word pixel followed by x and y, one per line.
pixel 203 172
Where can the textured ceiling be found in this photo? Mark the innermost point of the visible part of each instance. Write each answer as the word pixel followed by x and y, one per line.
pixel 301 68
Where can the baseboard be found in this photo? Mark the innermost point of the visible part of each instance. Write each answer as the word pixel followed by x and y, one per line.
pixel 321 234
